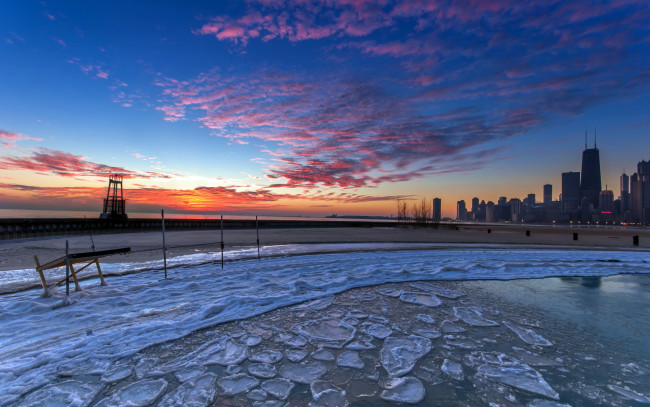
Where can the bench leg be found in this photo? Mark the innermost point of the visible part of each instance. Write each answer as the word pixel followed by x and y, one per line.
pixel 99 270
pixel 46 293
pixel 77 287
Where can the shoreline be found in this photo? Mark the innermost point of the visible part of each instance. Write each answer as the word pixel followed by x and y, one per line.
pixel 147 246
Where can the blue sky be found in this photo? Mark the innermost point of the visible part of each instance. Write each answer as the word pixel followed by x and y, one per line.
pixel 315 107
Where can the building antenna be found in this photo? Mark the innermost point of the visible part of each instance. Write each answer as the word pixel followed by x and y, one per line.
pixel 595 137
pixel 585 137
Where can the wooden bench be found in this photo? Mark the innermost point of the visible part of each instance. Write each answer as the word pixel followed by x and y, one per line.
pixel 76 258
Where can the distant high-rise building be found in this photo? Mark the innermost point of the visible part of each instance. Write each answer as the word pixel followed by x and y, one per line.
pixel 606 201
pixel 461 211
pixel 548 194
pixel 437 210
pixel 529 201
pixel 515 209
pixel 490 212
pixel 503 201
pixel 475 208
pixel 570 191
pixel 640 193
pixel 590 185
pixel 625 193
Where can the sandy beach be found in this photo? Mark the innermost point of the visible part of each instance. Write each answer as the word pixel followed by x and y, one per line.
pixel 18 254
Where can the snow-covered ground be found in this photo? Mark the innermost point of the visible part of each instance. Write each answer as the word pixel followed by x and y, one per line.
pixel 40 338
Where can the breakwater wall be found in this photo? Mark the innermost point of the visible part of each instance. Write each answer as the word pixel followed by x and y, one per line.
pixel 15 228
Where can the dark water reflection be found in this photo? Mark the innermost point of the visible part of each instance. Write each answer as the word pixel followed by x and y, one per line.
pixel 611 310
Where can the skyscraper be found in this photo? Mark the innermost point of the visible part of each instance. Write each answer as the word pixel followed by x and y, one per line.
pixel 590 185
pixel 570 191
pixel 625 193
pixel 640 193
pixel 437 210
pixel 548 194
pixel 461 211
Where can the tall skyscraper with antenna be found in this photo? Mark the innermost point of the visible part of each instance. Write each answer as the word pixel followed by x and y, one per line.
pixel 590 184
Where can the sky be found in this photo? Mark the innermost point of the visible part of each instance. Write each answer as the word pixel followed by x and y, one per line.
pixel 314 107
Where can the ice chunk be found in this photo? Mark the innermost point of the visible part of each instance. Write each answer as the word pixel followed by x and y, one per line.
pixel 439 291
pixel 323 354
pixel 256 395
pixel 472 317
pixel 266 356
pixel 235 384
pixel 404 390
pixel 429 300
pixel 330 398
pixel 328 332
pixel 528 335
pixel 426 318
pixel 119 370
pixel 453 369
pixel 350 359
pixel 144 367
pixel 305 372
pixel 280 388
pixel 319 387
pixel 451 327
pixel 351 320
pixel 318 304
pixel 296 355
pixel 198 392
pixel 358 314
pixel 399 355
pixel 226 352
pixel 378 319
pixel 253 340
pixel 533 359
pixel 361 344
pixel 270 403
pixel 629 393
pixel 296 341
pixel 89 366
pixel 189 372
pixel 390 292
pixel 63 394
pixel 140 393
pixel 378 331
pixel 263 370
pixel 507 370
pixel 427 333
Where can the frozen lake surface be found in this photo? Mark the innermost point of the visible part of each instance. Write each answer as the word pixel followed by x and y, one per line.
pixel 80 350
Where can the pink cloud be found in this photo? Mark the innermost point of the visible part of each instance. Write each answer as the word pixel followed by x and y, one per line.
pixel 67 165
pixel 8 139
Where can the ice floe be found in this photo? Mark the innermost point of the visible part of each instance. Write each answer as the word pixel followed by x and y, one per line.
pixel 305 372
pixel 378 331
pixel 327 332
pixel 237 383
pixel 263 370
pixel 399 355
pixel 452 369
pixel 140 393
pixel 227 352
pixel 437 290
pixel 266 356
pixel 528 335
pixel 68 393
pixel 472 316
pixel 404 390
pixel 507 370
pixel 629 394
pixel 430 300
pixel 198 392
pixel 296 355
pixel 350 359
pixel 279 387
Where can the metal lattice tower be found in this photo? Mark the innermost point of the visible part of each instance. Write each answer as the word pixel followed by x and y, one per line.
pixel 114 202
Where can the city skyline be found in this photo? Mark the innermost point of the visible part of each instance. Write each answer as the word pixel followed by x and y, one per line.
pixel 315 107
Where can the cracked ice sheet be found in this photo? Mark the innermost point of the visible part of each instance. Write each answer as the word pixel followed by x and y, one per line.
pixel 145 310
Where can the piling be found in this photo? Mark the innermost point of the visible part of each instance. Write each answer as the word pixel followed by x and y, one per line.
pixel 164 248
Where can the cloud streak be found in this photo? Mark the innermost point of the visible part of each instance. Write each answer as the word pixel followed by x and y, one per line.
pixel 64 164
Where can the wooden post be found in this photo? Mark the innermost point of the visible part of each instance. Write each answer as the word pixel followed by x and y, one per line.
pixel 257 228
pixel 99 270
pixel 42 276
pixel 67 270
pixel 77 287
pixel 162 214
pixel 222 241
